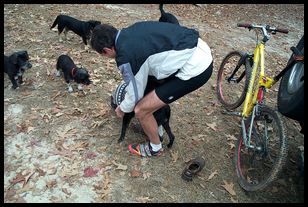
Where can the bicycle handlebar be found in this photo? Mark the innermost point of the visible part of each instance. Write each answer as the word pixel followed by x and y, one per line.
pixel 281 30
pixel 267 27
pixel 246 25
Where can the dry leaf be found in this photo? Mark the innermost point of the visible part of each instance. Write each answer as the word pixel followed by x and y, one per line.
pixel 212 126
pixel 59 114
pixel 135 173
pixel 90 172
pixel 98 187
pixel 26 188
pixel 101 110
pixel 65 153
pixel 66 191
pixel 120 166
pixel 233 200
pixel 231 137
pixel 7 99
pixel 143 199
pixel 27 178
pixel 51 184
pixel 212 175
pixel 106 182
pixel 10 194
pixel 41 172
pixel 231 145
pixel 91 155
pixel 46 117
pixel 98 123
pixel 51 170
pixel 78 110
pixel 26 93
pixel 7 132
pixel 56 95
pixel 229 188
pixel 175 156
pixel 55 110
pixel 24 127
pixel 79 146
pixel 146 175
pixel 18 178
pixel 202 186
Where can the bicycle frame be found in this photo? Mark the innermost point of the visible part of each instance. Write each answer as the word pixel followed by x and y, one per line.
pixel 264 82
pixel 254 97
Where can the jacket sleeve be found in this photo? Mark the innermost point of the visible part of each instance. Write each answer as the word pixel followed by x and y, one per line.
pixel 135 88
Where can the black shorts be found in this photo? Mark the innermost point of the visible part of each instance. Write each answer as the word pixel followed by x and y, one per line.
pixel 174 88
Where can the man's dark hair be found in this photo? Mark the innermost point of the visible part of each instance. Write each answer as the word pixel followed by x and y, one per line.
pixel 103 36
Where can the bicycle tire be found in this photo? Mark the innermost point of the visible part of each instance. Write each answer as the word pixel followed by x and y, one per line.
pixel 248 181
pixel 227 90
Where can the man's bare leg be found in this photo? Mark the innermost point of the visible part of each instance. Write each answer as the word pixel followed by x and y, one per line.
pixel 144 113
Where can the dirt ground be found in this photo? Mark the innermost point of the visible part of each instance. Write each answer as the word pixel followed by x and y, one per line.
pixel 61 147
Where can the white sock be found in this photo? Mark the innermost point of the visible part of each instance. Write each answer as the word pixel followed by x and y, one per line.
pixel 155 147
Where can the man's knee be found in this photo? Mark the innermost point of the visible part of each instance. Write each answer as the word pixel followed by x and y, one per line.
pixel 139 113
pixel 141 110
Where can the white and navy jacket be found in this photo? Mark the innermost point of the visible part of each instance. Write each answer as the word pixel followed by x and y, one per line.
pixel 157 49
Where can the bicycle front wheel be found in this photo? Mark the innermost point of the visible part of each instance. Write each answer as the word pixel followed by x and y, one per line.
pixel 232 83
pixel 257 167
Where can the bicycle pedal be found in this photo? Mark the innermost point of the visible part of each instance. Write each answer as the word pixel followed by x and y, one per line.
pixel 232 113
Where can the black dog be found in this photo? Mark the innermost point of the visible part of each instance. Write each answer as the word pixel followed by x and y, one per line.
pixel 81 28
pixel 167 17
pixel 72 72
pixel 162 115
pixel 15 65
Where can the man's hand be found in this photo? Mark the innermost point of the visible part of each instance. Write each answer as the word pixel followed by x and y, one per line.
pixel 119 113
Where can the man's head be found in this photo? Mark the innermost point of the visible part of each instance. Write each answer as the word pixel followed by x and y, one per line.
pixel 103 40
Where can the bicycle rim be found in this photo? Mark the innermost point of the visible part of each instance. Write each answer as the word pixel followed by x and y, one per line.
pixel 256 169
pixel 230 93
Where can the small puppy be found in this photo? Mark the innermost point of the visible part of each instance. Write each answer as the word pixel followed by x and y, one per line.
pixel 15 65
pixel 167 17
pixel 162 115
pixel 81 28
pixel 72 72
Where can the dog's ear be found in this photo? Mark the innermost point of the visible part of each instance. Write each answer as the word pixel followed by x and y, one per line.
pixel 25 54
pixel 81 73
pixel 78 74
pixel 13 58
pixel 94 23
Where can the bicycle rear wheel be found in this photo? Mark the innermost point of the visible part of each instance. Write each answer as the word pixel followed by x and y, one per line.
pixel 257 168
pixel 231 85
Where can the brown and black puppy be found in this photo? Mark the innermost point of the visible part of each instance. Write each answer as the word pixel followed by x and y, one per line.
pixel 15 65
pixel 72 73
pixel 167 17
pixel 162 115
pixel 81 28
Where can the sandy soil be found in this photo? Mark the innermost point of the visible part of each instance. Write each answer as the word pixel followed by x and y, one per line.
pixel 61 147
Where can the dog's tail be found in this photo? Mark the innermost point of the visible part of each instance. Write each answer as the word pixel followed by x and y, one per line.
pixel 55 22
pixel 161 9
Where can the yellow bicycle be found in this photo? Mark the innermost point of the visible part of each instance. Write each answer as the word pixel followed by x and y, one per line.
pixel 261 150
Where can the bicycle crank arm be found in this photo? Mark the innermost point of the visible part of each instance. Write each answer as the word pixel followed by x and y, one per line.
pixel 231 113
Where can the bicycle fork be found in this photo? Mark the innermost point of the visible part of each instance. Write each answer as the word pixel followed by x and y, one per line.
pixel 247 136
pixel 255 111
